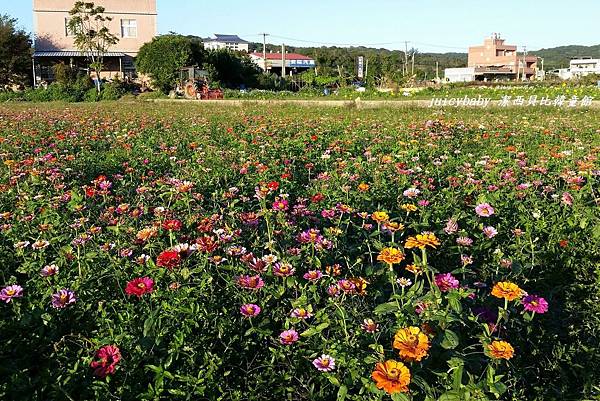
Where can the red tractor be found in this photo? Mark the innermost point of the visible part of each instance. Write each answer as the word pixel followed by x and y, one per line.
pixel 194 84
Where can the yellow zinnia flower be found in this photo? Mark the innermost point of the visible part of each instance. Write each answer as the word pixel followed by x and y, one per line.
pixel 412 344
pixel 380 216
pixel 501 350
pixel 507 290
pixel 421 241
pixel 392 377
pixel 407 207
pixel 390 256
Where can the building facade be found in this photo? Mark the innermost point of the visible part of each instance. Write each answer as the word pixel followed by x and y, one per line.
pixel 134 22
pixel 584 66
pixel 294 63
pixel 229 42
pixel 495 60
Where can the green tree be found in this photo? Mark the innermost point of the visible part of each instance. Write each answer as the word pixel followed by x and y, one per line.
pixel 231 69
pixel 163 58
pixel 89 26
pixel 15 53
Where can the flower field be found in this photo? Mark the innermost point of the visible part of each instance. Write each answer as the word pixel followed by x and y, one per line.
pixel 191 252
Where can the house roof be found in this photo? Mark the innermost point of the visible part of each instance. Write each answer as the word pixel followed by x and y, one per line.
pixel 74 54
pixel 226 38
pixel 288 56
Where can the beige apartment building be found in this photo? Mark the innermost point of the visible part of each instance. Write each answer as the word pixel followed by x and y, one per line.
pixel 134 22
pixel 497 60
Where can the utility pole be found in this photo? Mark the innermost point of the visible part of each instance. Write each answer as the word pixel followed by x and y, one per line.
pixel 367 73
pixel 412 70
pixel 405 57
pixel 265 50
pixel 283 60
pixel 524 65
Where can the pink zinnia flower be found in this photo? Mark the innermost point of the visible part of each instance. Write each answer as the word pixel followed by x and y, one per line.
pixel 63 298
pixel 490 231
pixel 464 241
pixel 451 226
pixel 108 356
pixel 324 363
pixel 288 337
pixel 484 210
pixel 250 282
pixel 313 275
pixel 567 199
pixel 250 310
pixel 301 313
pixel 280 204
pixel 446 282
pixel 333 290
pixel 283 269
pixel 10 292
pixel 533 303
pixel 369 326
pixel 139 286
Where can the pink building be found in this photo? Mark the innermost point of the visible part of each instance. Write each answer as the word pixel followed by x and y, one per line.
pixel 134 22
pixel 497 60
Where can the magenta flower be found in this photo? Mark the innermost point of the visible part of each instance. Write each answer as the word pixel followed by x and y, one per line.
pixel 288 337
pixel 490 231
pixel 313 275
pixel 10 292
pixel 63 298
pixel 250 310
pixel 280 205
pixel 334 290
pixel 250 282
pixel 283 269
pixel 446 282
pixel 484 210
pixel 324 363
pixel 107 359
pixel 533 303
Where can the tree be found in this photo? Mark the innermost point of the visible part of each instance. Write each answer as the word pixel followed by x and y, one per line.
pixel 15 53
pixel 231 69
pixel 165 55
pixel 88 25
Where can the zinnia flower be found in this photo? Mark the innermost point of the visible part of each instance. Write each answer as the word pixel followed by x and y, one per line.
pixel 490 231
pixel 411 343
pixel 369 326
pixel 283 269
pixel 533 303
pixel 172 225
pixel 313 275
pixel 422 241
pixel 250 282
pixel 392 377
pixel 501 350
pixel 288 337
pixel 109 356
pixel 380 217
pixel 484 210
pixel 168 259
pixel 301 313
pixel 63 298
pixel 507 290
pixel 390 256
pixel 324 363
pixel 10 292
pixel 139 286
pixel 446 282
pixel 250 310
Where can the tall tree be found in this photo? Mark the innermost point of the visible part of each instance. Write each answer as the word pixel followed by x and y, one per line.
pixel 15 53
pixel 88 25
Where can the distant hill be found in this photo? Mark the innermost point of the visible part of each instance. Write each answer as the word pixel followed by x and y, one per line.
pixel 558 57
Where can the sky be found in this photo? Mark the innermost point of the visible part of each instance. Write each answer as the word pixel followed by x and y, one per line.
pixel 428 25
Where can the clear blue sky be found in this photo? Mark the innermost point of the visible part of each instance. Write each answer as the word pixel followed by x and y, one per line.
pixel 449 25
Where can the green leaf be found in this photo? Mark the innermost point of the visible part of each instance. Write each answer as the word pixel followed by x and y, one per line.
pixel 342 392
pixel 450 396
pixel 386 308
pixel 400 397
pixel 450 340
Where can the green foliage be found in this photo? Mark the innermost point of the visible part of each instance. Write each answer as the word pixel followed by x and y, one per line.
pixel 231 69
pixel 15 53
pixel 163 58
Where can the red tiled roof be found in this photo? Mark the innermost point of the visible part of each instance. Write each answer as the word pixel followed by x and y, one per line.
pixel 288 56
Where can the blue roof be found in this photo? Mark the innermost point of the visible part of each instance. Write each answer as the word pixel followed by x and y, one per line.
pixel 226 38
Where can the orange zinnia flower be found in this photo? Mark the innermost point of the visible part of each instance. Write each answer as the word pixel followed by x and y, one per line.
pixel 414 269
pixel 501 350
pixel 421 241
pixel 380 216
pixel 507 290
pixel 392 377
pixel 390 256
pixel 411 343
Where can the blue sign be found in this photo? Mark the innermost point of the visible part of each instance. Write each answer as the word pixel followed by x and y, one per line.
pixel 301 63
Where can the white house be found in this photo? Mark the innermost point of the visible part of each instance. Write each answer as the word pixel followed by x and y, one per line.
pixel 584 66
pixel 230 42
pixel 466 74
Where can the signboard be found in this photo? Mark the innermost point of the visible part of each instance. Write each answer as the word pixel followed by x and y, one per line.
pixel 301 63
pixel 360 67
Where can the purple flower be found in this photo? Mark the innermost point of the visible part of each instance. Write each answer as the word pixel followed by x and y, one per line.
pixel 446 282
pixel 250 310
pixel 63 298
pixel 10 292
pixel 288 337
pixel 533 303
pixel 484 210
pixel 324 363
pixel 490 231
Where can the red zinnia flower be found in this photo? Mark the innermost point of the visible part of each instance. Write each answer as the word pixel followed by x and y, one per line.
pixel 172 225
pixel 108 356
pixel 168 259
pixel 140 286
pixel 273 185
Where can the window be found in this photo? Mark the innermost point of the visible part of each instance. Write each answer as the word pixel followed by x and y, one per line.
pixel 128 28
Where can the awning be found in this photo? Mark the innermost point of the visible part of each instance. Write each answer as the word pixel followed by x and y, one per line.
pixel 75 54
